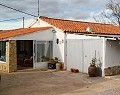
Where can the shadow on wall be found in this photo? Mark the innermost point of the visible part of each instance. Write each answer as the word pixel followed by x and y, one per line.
pixel 99 71
pixel 99 65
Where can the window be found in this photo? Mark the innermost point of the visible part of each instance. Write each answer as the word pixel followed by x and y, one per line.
pixel 43 50
pixel 3 51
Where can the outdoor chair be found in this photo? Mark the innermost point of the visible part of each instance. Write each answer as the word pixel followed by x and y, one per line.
pixel 28 61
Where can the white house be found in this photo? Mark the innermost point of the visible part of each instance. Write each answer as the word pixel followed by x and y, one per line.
pixel 80 40
pixel 74 42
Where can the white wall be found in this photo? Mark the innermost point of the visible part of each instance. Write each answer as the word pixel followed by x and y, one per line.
pixel 59 48
pixel 45 35
pixel 112 56
pixel 74 36
pixel 39 23
pixel 42 65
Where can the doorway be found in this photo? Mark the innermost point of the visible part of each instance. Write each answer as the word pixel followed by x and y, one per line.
pixel 81 51
pixel 43 50
pixel 24 54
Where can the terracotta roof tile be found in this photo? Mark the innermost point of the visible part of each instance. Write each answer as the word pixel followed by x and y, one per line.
pixel 80 27
pixel 17 32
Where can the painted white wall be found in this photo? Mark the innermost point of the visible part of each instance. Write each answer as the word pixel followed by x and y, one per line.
pixel 74 36
pixel 39 23
pixel 42 65
pixel 112 55
pixel 45 35
pixel 59 48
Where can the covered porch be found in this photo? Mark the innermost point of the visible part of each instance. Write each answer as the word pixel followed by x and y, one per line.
pixel 33 54
pixel 28 48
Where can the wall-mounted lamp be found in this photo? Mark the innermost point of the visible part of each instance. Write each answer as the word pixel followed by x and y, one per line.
pixel 62 41
pixel 53 31
pixel 57 41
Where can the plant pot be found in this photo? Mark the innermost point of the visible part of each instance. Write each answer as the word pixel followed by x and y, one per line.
pixel 58 66
pixel 74 70
pixel 92 71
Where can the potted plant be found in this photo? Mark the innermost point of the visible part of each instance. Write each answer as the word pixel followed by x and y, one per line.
pixel 43 58
pixel 92 69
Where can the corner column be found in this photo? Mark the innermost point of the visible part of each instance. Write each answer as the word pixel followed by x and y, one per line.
pixel 11 56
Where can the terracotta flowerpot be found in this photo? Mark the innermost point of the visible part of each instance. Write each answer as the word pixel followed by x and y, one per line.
pixel 74 70
pixel 92 71
pixel 58 66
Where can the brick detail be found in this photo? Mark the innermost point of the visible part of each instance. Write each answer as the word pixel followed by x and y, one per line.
pixel 3 67
pixel 11 58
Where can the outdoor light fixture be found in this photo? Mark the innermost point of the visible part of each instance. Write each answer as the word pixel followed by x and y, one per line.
pixel 53 31
pixel 57 41
pixel 62 41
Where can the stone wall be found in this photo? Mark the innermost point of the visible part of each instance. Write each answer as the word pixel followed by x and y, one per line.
pixel 112 70
pixel 11 58
pixel 3 67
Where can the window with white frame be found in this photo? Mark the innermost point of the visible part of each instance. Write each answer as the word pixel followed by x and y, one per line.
pixel 44 50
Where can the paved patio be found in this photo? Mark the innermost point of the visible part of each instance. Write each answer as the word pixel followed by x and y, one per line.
pixel 37 82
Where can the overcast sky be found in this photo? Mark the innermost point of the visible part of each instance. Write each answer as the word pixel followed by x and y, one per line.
pixel 65 9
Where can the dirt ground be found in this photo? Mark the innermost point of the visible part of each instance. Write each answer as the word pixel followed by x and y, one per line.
pixel 37 82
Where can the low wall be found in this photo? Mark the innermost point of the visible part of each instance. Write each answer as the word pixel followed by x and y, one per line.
pixel 11 58
pixel 12 54
pixel 112 70
pixel 4 67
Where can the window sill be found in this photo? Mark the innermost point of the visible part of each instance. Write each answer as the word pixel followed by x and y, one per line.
pixel 2 62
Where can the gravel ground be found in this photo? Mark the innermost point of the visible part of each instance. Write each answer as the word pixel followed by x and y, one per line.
pixel 37 82
pixel 115 91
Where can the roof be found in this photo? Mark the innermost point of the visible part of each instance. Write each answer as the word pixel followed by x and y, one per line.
pixel 17 32
pixel 80 27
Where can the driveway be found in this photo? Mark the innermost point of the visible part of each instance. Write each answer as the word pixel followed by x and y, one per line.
pixel 37 82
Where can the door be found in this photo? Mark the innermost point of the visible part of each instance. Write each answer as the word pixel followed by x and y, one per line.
pixel 92 48
pixel 80 53
pixel 74 54
pixel 43 50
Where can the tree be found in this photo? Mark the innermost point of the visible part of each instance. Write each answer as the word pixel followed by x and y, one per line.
pixel 112 13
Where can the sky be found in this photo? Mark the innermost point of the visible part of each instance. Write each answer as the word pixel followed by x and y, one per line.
pixel 82 10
